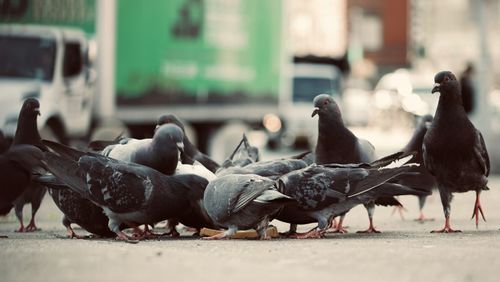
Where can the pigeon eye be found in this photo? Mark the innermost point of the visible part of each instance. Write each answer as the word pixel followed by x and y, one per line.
pixel 446 78
pixel 326 102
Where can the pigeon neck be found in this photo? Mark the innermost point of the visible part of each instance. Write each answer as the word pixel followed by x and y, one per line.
pixel 450 103
pixel 333 127
pixel 335 138
pixel 26 131
pixel 189 149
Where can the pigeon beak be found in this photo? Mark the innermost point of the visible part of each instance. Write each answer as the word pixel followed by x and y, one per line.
pixel 180 146
pixel 315 112
pixel 37 111
pixel 436 88
pixel 156 127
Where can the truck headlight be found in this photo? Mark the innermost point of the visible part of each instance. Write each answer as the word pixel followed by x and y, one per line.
pixel 272 123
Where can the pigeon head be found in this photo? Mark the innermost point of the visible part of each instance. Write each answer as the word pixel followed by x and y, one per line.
pixel 445 82
pixel 325 105
pixel 166 119
pixel 31 107
pixel 170 133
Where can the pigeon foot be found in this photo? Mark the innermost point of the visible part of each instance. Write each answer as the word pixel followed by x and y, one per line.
pixel 422 218
pixel 313 234
pixel 121 236
pixel 477 210
pixel 219 236
pixel 401 210
pixel 371 229
pixel 447 228
pixel 72 235
pixel 32 226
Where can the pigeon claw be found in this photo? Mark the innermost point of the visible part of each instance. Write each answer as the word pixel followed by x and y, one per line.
pixel 72 235
pixel 422 218
pixel 220 236
pixel 313 234
pixel 401 210
pixel 446 229
pixel 478 210
pixel 32 227
pixel 371 229
pixel 21 229
pixel 121 236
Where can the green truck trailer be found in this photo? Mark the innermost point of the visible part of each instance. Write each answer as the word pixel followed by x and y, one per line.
pixel 209 62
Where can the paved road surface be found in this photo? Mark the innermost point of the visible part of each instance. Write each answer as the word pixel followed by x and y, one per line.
pixel 405 251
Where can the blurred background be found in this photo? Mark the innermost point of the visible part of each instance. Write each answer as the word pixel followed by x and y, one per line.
pixel 107 68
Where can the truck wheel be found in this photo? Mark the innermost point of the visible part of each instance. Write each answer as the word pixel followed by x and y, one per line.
pixel 222 142
pixel 54 131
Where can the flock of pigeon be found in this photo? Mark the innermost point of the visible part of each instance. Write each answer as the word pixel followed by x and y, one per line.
pixel 134 184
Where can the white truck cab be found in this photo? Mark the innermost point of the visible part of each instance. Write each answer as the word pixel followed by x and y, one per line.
pixel 50 64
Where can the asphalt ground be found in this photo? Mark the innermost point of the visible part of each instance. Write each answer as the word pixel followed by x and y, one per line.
pixel 404 251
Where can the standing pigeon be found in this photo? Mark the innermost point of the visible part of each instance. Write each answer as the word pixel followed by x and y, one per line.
pixel 27 133
pixel 337 144
pixel 240 201
pixel 323 192
pixel 130 193
pixel 192 153
pixel 17 166
pixel 419 178
pixel 160 152
pixel 454 150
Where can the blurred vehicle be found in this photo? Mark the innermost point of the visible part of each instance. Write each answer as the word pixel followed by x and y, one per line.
pixel 405 94
pixel 357 102
pixel 50 64
pixel 214 64
pixel 309 80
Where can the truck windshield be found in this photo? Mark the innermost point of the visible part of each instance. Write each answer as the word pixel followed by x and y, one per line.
pixel 27 57
pixel 306 88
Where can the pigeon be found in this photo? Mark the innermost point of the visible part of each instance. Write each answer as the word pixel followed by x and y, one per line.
pixel 337 144
pixel 27 133
pixel 191 153
pixel 18 164
pixel 129 193
pixel 76 209
pixel 420 178
pixel 323 192
pixel 271 169
pixel 243 201
pixel 160 152
pixel 454 150
pixel 243 155
pixel 4 144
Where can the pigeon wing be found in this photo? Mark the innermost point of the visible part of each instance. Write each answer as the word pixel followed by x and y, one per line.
pixel 480 154
pixel 118 186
